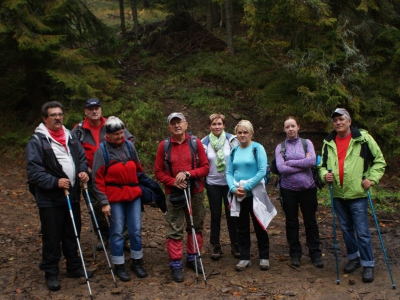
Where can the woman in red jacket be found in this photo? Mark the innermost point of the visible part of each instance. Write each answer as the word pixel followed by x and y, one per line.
pixel 115 183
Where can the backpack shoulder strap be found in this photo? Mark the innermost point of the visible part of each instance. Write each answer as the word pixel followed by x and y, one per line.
pixel 283 149
pixel 255 151
pixel 35 136
pixel 305 145
pixel 106 157
pixel 167 155
pixel 367 155
pixel 79 131
pixel 206 140
pixel 193 150
pixel 128 145
pixel 232 155
pixel 106 154
pixel 325 157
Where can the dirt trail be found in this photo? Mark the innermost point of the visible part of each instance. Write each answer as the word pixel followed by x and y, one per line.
pixel 20 253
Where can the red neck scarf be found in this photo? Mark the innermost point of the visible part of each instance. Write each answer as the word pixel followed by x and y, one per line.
pixel 59 136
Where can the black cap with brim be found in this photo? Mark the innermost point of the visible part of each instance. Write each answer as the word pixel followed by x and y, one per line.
pixel 92 102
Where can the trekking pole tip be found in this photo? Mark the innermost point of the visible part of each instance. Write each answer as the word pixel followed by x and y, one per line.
pixel 394 287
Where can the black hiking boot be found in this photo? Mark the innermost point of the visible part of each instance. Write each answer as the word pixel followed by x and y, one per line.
pixel 177 275
pixel 318 262
pixel 216 254
pixel 368 274
pixel 121 273
pixel 52 283
pixel 137 268
pixel 235 250
pixel 352 265
pixel 295 261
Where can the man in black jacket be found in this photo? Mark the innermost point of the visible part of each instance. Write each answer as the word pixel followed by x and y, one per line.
pixel 55 161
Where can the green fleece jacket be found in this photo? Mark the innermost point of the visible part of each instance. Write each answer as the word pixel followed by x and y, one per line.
pixel 354 165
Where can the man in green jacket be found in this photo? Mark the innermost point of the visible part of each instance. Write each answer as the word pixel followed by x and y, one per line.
pixel 352 161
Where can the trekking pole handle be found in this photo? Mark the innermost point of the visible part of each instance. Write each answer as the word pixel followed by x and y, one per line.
pixel 330 171
pixel 84 185
pixel 66 192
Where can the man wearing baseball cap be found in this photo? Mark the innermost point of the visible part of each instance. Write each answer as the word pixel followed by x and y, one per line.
pixel 352 162
pixel 91 132
pixel 176 161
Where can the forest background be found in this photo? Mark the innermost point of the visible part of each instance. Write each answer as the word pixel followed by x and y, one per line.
pixel 254 59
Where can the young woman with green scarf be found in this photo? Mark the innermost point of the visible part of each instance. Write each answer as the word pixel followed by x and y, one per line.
pixel 218 145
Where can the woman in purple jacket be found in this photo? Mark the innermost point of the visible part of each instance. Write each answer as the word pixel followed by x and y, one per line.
pixel 297 188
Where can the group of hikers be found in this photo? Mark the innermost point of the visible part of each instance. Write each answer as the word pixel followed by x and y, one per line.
pixel 231 169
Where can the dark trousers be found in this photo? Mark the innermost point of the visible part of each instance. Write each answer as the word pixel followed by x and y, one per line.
pixel 215 194
pixel 308 205
pixel 243 225
pixel 58 234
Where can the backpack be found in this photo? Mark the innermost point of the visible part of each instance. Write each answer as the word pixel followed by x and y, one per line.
pixel 267 175
pixel 315 172
pixel 192 142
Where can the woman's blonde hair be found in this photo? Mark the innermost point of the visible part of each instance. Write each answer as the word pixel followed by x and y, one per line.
pixel 246 125
pixel 214 117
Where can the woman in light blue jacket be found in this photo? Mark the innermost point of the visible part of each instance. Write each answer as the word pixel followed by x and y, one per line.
pixel 245 174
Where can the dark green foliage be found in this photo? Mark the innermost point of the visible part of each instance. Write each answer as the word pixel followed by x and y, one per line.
pixel 63 51
pixel 341 54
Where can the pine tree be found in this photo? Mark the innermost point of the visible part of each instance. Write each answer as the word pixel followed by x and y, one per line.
pixel 60 48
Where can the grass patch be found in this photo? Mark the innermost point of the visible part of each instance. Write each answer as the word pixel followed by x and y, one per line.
pixel 384 200
pixel 108 12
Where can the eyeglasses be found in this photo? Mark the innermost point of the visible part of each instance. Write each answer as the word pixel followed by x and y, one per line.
pixel 60 115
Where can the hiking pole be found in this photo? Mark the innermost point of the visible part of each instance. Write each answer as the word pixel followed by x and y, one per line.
pixel 91 227
pixel 380 236
pixel 91 212
pixel 77 241
pixel 195 242
pixel 334 231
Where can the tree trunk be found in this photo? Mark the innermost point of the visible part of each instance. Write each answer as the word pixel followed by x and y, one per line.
pixel 215 13
pixel 122 15
pixel 135 19
pixel 209 16
pixel 228 21
pixel 222 18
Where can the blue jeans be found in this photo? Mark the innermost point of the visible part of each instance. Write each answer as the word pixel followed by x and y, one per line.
pixel 353 219
pixel 131 212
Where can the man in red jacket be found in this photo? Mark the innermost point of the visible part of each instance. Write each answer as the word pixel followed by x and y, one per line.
pixel 91 132
pixel 184 160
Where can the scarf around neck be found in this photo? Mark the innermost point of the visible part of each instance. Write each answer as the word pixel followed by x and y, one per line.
pixel 217 143
pixel 59 136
